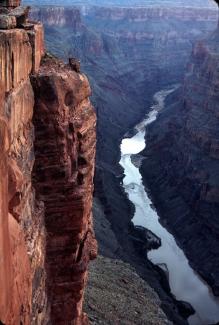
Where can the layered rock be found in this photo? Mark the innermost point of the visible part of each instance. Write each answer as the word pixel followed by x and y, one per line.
pixel 27 246
pixel 58 16
pixel 143 14
pixel 23 298
pixel 181 168
pixel 65 122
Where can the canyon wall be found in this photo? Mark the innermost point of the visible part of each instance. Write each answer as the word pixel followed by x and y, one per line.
pixel 23 294
pixel 42 230
pixel 65 143
pixel 181 165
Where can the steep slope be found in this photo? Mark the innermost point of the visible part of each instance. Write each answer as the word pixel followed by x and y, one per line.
pixel 119 296
pixel 182 169
pixel 33 287
pixel 22 229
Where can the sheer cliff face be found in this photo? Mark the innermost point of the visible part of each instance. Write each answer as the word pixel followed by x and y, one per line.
pixel 65 122
pixel 22 229
pixel 182 169
pixel 32 252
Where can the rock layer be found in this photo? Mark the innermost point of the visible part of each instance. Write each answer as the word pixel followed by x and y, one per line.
pixel 22 227
pixel 65 122
pixel 39 271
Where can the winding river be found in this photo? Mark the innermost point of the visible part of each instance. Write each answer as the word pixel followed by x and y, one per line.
pixel 185 284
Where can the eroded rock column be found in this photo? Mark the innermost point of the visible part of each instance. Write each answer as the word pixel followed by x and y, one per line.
pixel 65 142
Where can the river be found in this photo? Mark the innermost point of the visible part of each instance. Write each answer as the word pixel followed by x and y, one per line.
pixel 185 284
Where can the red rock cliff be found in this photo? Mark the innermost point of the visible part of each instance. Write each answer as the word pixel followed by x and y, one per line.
pixel 46 236
pixel 65 147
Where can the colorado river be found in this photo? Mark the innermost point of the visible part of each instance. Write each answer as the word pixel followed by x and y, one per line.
pixel 185 284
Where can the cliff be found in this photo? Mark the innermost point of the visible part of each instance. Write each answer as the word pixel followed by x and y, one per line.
pixel 182 154
pixel 47 147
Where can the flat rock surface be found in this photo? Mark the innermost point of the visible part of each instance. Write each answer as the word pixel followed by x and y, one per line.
pixel 117 295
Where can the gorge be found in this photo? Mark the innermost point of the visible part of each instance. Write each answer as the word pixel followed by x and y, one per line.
pixel 184 283
pixel 191 191
pixel 132 52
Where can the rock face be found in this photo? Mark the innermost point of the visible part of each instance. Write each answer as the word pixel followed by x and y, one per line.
pixel 26 245
pixel 182 168
pixel 65 143
pixel 22 228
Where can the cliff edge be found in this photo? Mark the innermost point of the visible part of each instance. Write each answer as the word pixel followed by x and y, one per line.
pixel 47 148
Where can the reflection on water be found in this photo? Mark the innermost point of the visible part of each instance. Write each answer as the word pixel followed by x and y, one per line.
pixel 185 284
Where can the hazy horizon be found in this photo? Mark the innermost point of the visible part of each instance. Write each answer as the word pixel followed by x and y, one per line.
pixel 126 3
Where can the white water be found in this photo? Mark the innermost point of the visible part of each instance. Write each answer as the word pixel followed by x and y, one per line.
pixel 185 284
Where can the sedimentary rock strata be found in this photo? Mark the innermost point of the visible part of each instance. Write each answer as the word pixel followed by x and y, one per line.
pixel 65 122
pixel 32 286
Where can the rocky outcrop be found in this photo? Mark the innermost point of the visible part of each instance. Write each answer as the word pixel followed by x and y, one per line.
pixel 181 168
pixel 65 134
pixel 27 244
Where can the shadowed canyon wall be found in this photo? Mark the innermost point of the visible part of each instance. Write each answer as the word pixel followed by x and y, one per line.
pixel 181 168
pixel 47 148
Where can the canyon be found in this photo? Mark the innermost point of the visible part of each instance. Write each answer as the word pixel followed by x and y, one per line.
pixel 188 170
pixel 47 146
pixel 50 133
pixel 128 54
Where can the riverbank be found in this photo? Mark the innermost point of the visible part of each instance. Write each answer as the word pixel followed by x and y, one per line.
pixel 114 239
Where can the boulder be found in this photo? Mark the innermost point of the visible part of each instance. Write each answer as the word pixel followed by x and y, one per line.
pixel 10 3
pixel 7 22
pixel 21 15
